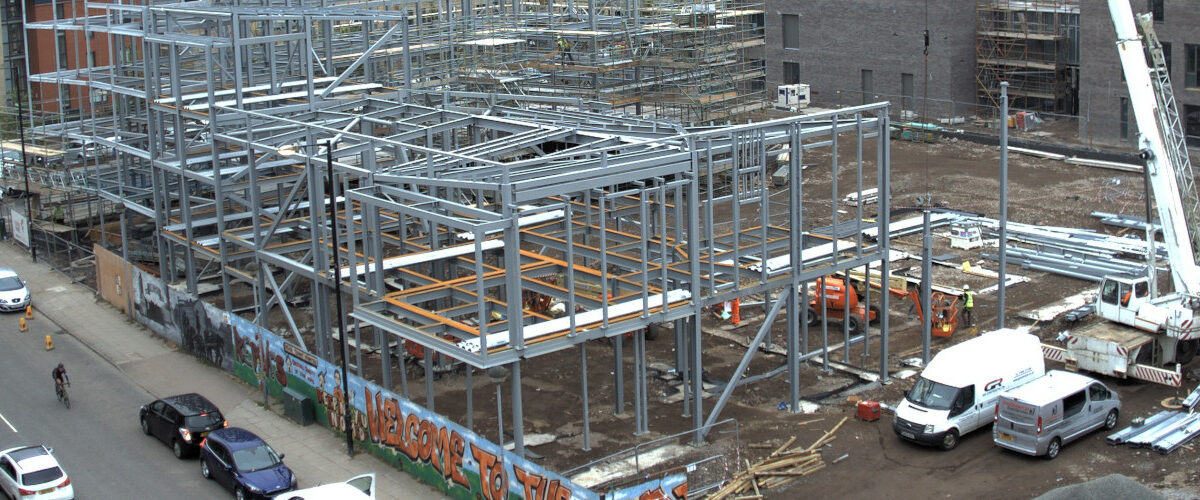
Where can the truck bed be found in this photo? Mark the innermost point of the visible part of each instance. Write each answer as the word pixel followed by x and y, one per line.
pixel 1110 332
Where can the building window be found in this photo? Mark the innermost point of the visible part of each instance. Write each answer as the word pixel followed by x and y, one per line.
pixel 1166 49
pixel 64 97
pixel 62 50
pixel 791 73
pixel 60 11
pixel 1124 118
pixel 1191 57
pixel 868 86
pixel 92 59
pixel 907 90
pixel 1156 8
pixel 791 31
pixel 1191 125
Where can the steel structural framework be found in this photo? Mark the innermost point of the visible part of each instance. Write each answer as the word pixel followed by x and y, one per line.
pixel 454 207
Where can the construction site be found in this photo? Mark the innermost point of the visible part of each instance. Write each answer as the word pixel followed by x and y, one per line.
pixel 583 230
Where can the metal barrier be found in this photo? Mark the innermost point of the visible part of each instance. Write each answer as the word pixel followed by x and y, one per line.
pixel 71 259
pixel 707 466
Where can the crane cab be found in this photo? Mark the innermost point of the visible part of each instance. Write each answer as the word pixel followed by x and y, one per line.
pixel 1120 298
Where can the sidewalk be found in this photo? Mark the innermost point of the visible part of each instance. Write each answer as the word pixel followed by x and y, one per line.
pixel 313 452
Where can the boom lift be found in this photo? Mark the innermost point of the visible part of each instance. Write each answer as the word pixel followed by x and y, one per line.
pixel 1166 332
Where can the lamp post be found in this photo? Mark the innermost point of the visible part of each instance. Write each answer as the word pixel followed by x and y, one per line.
pixel 499 374
pixel 331 212
pixel 337 288
pixel 20 82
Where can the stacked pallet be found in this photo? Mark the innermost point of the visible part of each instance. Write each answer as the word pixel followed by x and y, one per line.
pixel 779 468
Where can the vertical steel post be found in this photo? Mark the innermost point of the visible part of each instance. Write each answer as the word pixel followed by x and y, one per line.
pixel 587 421
pixel 926 284
pixel 1003 264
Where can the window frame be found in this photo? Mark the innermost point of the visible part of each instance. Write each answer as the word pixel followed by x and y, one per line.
pixel 790 37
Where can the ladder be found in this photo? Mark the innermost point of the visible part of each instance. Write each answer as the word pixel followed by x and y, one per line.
pixel 1171 127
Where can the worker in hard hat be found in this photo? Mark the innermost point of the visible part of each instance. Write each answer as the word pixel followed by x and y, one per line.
pixel 968 304
pixel 564 49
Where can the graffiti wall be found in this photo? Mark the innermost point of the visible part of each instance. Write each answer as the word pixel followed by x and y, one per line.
pixel 425 444
pixel 181 318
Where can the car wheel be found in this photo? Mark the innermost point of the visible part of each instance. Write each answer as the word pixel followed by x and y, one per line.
pixel 204 469
pixel 145 426
pixel 1111 420
pixel 1053 449
pixel 950 440
pixel 239 493
pixel 177 447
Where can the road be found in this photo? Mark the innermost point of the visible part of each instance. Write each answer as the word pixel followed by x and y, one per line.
pixel 97 440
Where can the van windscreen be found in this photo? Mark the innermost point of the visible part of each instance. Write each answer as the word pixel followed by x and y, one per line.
pixel 933 395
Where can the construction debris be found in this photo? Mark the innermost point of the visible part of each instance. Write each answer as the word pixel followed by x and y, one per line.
pixel 781 467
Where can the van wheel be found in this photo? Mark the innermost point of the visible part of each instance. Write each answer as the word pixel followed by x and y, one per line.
pixel 1111 420
pixel 950 440
pixel 1053 449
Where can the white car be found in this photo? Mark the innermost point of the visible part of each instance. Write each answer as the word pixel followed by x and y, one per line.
pixel 14 295
pixel 31 472
pixel 356 488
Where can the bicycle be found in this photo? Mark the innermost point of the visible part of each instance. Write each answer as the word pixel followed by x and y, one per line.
pixel 61 391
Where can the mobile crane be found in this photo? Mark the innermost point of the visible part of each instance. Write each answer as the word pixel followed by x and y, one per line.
pixel 1165 329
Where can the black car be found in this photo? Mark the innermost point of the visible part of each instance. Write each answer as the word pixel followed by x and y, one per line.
pixel 181 421
pixel 241 461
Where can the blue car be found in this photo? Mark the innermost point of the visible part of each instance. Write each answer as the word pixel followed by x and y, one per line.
pixel 241 461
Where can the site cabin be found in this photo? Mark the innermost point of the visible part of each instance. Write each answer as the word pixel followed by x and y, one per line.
pixel 1040 417
pixel 957 391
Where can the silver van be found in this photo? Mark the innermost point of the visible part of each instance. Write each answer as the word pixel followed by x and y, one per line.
pixel 1059 407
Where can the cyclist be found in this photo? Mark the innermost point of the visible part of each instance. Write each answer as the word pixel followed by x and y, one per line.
pixel 60 377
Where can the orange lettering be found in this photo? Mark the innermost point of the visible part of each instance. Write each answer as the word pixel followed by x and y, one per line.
pixel 456 452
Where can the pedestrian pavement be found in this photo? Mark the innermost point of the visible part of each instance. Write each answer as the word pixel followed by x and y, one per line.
pixel 315 453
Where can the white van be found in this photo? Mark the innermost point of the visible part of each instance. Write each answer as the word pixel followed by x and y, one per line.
pixel 957 392
pixel 1040 417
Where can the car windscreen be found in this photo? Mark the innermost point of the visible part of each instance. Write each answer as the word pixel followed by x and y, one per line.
pixel 202 421
pixel 10 283
pixel 252 459
pixel 41 476
pixel 933 395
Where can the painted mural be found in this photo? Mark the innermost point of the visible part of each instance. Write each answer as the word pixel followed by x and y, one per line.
pixel 404 434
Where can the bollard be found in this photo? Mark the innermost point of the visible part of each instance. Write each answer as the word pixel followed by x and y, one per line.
pixel 29 312
pixel 737 311
pixel 49 343
pixel 23 325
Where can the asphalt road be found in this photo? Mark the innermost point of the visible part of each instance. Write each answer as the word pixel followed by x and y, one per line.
pixel 97 441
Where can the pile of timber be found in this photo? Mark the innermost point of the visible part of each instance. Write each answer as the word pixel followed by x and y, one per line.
pixel 779 468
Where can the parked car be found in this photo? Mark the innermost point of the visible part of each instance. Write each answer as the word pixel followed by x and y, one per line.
pixel 356 488
pixel 241 461
pixel 32 472
pixel 1059 407
pixel 78 150
pixel 14 295
pixel 181 421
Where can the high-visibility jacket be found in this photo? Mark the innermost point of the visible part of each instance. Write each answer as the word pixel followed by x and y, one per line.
pixel 563 44
pixel 970 299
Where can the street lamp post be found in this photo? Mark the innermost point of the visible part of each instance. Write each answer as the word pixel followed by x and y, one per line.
pixel 331 212
pixel 337 288
pixel 24 156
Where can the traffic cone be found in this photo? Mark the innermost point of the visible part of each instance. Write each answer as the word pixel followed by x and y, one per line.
pixel 29 312
pixel 23 325
pixel 49 343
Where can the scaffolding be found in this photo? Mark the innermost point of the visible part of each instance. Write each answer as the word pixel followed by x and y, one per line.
pixel 434 164
pixel 1034 46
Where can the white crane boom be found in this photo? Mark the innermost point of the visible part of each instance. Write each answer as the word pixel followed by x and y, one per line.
pixel 1160 139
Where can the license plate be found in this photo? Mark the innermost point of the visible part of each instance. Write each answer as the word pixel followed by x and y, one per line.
pixel 1005 437
pixel 908 435
pixel 47 490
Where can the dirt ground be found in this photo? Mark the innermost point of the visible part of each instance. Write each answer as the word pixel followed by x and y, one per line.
pixel 960 175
